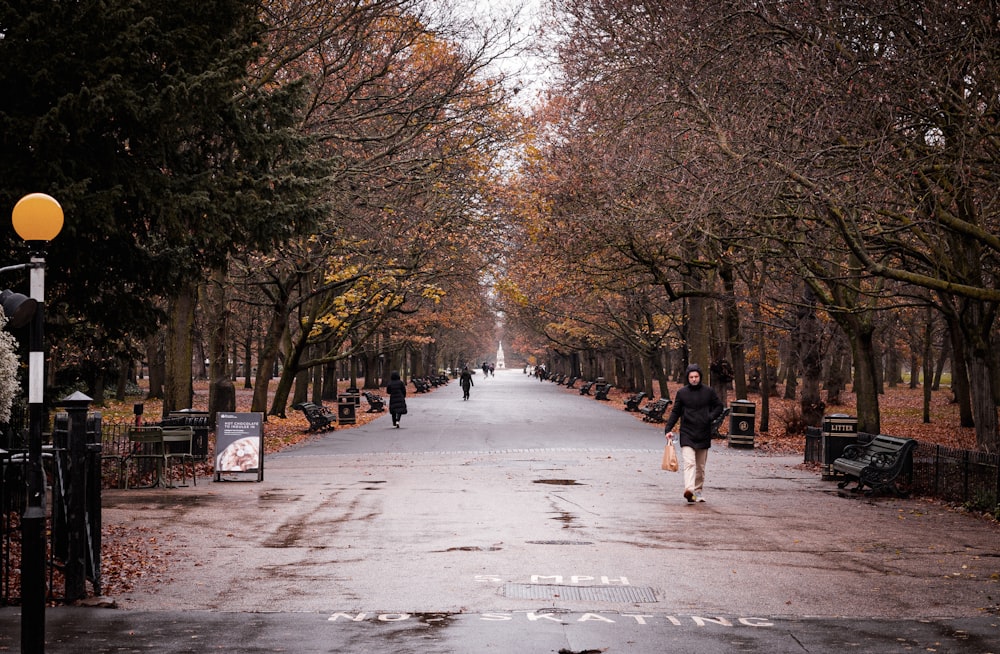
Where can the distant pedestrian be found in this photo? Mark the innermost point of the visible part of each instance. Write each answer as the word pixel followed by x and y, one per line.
pixel 466 381
pixel 492 370
pixel 396 388
pixel 696 406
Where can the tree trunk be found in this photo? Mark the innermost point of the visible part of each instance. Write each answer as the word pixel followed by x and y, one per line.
pixel 234 356
pixel 983 407
pixel 791 367
pixel 927 368
pixel 942 360
pixel 353 363
pixel 248 362
pixel 268 356
pixel 892 364
pixel 652 371
pixel 97 389
pixel 839 371
pixel 221 391
pixel 371 363
pixel 662 373
pixel 178 389
pixel 811 360
pixel 764 422
pixel 433 364
pixel 121 382
pixel 959 364
pixel 865 378
pixel 328 382
pixel 314 376
pixel 289 373
pixel 699 348
pixel 977 320
pixel 157 365
pixel 734 332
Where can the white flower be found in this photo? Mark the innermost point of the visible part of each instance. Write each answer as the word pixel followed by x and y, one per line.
pixel 9 386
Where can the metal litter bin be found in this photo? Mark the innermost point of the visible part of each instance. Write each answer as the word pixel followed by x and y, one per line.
pixel 741 423
pixel 355 394
pixel 839 430
pixel 198 422
pixel 347 410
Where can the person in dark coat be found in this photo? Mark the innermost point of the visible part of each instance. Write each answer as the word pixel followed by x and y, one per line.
pixel 466 381
pixel 696 406
pixel 396 389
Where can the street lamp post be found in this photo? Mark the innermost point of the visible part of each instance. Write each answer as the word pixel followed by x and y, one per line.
pixel 37 219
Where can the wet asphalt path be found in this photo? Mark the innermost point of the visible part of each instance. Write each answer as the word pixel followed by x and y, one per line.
pixel 532 519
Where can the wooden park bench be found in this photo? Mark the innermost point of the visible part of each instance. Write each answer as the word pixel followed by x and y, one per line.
pixel 876 464
pixel 654 412
pixel 632 402
pixel 572 381
pixel 585 389
pixel 320 418
pixel 422 385
pixel 376 403
pixel 601 391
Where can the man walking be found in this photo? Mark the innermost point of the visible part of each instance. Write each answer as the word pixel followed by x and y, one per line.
pixel 696 406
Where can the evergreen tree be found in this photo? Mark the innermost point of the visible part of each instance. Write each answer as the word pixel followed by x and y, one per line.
pixel 140 117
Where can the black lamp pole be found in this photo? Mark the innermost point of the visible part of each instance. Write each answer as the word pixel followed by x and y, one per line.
pixel 37 218
pixel 33 521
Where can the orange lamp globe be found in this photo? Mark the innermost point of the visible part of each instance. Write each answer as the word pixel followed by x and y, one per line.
pixel 37 217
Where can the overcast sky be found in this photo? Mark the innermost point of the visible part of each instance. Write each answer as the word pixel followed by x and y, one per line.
pixel 528 69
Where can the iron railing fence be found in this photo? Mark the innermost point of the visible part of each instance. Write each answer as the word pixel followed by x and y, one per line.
pixel 59 531
pixel 73 506
pixel 963 476
pixel 967 477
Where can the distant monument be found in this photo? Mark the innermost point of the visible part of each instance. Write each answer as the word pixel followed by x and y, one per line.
pixel 500 356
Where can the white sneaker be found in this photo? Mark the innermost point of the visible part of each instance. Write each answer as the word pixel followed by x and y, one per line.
pixel 698 497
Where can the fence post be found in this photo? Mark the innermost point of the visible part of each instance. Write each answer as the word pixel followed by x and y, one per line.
pixel 937 468
pixel 965 475
pixel 996 495
pixel 93 501
pixel 76 406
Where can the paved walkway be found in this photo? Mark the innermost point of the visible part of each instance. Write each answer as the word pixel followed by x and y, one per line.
pixel 533 518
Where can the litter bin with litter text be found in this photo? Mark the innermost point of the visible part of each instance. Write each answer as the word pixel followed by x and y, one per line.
pixel 839 430
pixel 741 423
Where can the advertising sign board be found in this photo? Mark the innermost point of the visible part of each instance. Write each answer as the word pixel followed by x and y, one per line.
pixel 239 444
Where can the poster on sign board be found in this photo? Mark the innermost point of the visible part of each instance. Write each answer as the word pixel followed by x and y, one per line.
pixel 239 445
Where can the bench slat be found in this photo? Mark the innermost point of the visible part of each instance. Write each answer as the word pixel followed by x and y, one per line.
pixel 376 403
pixel 319 417
pixel 654 412
pixel 876 464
